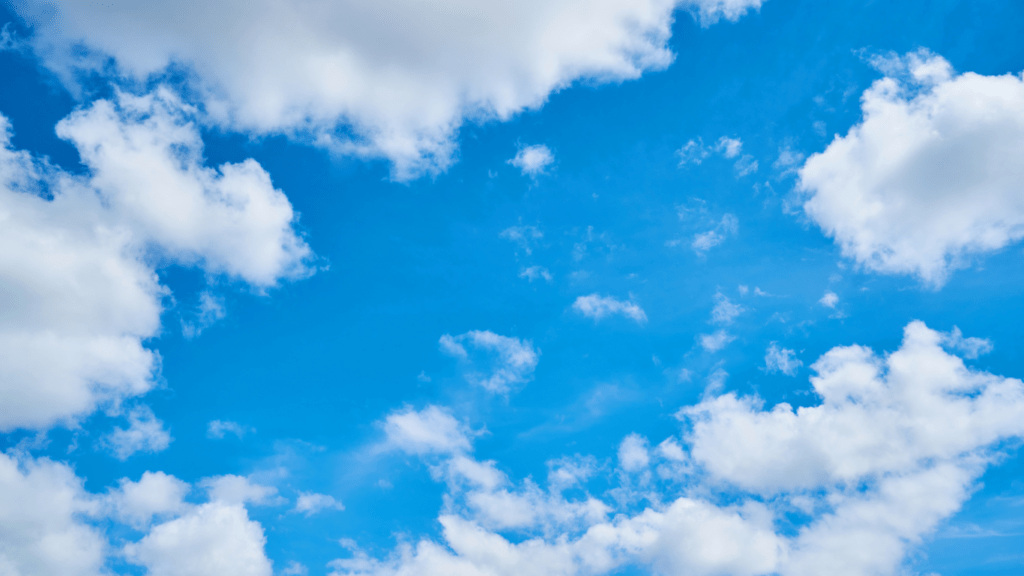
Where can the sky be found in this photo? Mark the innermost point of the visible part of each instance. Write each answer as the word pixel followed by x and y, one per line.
pixel 453 288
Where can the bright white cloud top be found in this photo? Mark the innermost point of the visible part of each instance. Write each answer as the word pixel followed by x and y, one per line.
pixel 393 79
pixel 932 175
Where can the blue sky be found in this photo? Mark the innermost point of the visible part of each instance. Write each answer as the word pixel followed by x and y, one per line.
pixel 701 287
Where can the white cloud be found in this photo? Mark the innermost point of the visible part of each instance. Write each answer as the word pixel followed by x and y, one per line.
pixel 781 360
pixel 695 152
pixel 931 176
pixel 508 361
pixel 155 494
pixel 536 272
pixel 633 453
pixel 310 503
pixel 969 348
pixel 41 520
pixel 895 446
pixel 598 307
pixel 533 160
pixel 295 569
pixel 233 489
pixel 393 79
pixel 829 300
pixel 432 430
pixel 705 241
pixel 711 11
pixel 725 311
pixel 524 236
pixel 213 539
pixel 145 433
pixel 207 313
pixel 80 290
pixel 216 429
pixel 716 341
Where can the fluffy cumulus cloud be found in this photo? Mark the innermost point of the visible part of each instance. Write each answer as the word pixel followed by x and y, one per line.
pixel 41 520
pixel 599 307
pixel 392 79
pixel 432 430
pixel 51 525
pixel 931 177
pixel 145 433
pixel 781 360
pixel 496 363
pixel 210 540
pixel 894 446
pixel 78 253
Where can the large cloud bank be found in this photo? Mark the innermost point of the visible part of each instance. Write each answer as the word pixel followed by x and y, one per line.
pixel 79 294
pixel 845 487
pixel 392 79
pixel 930 177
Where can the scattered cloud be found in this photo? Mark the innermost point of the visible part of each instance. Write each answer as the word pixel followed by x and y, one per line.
pixel 866 464
pixel 310 503
pixel 704 241
pixel 533 160
pixel 535 273
pixel 155 494
pixel 145 433
pixel 524 236
pixel 432 430
pixel 781 360
pixel 217 429
pixel 498 363
pixel 233 489
pixel 207 313
pixel 930 177
pixel 599 307
pixel 969 348
pixel 714 342
pixel 829 300
pixel 695 152
pixel 725 311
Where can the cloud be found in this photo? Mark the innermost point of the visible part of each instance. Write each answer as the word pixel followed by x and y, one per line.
pixel 705 241
pixel 781 360
pixel 79 252
pixel 695 152
pixel 41 519
pixel 432 430
pixel 391 80
pixel 633 453
pixel 969 348
pixel 210 540
pixel 533 160
pixel 895 446
pixel 216 429
pixel 725 311
pixel 155 494
pixel 716 341
pixel 931 177
pixel 524 236
pixel 536 272
pixel 829 300
pixel 310 503
pixel 508 361
pixel 232 489
pixel 598 307
pixel 709 12
pixel 207 313
pixel 145 433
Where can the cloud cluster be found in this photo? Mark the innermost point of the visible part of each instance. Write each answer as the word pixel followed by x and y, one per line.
pixel 599 307
pixel 931 176
pixel 49 523
pixel 894 447
pixel 79 253
pixel 497 363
